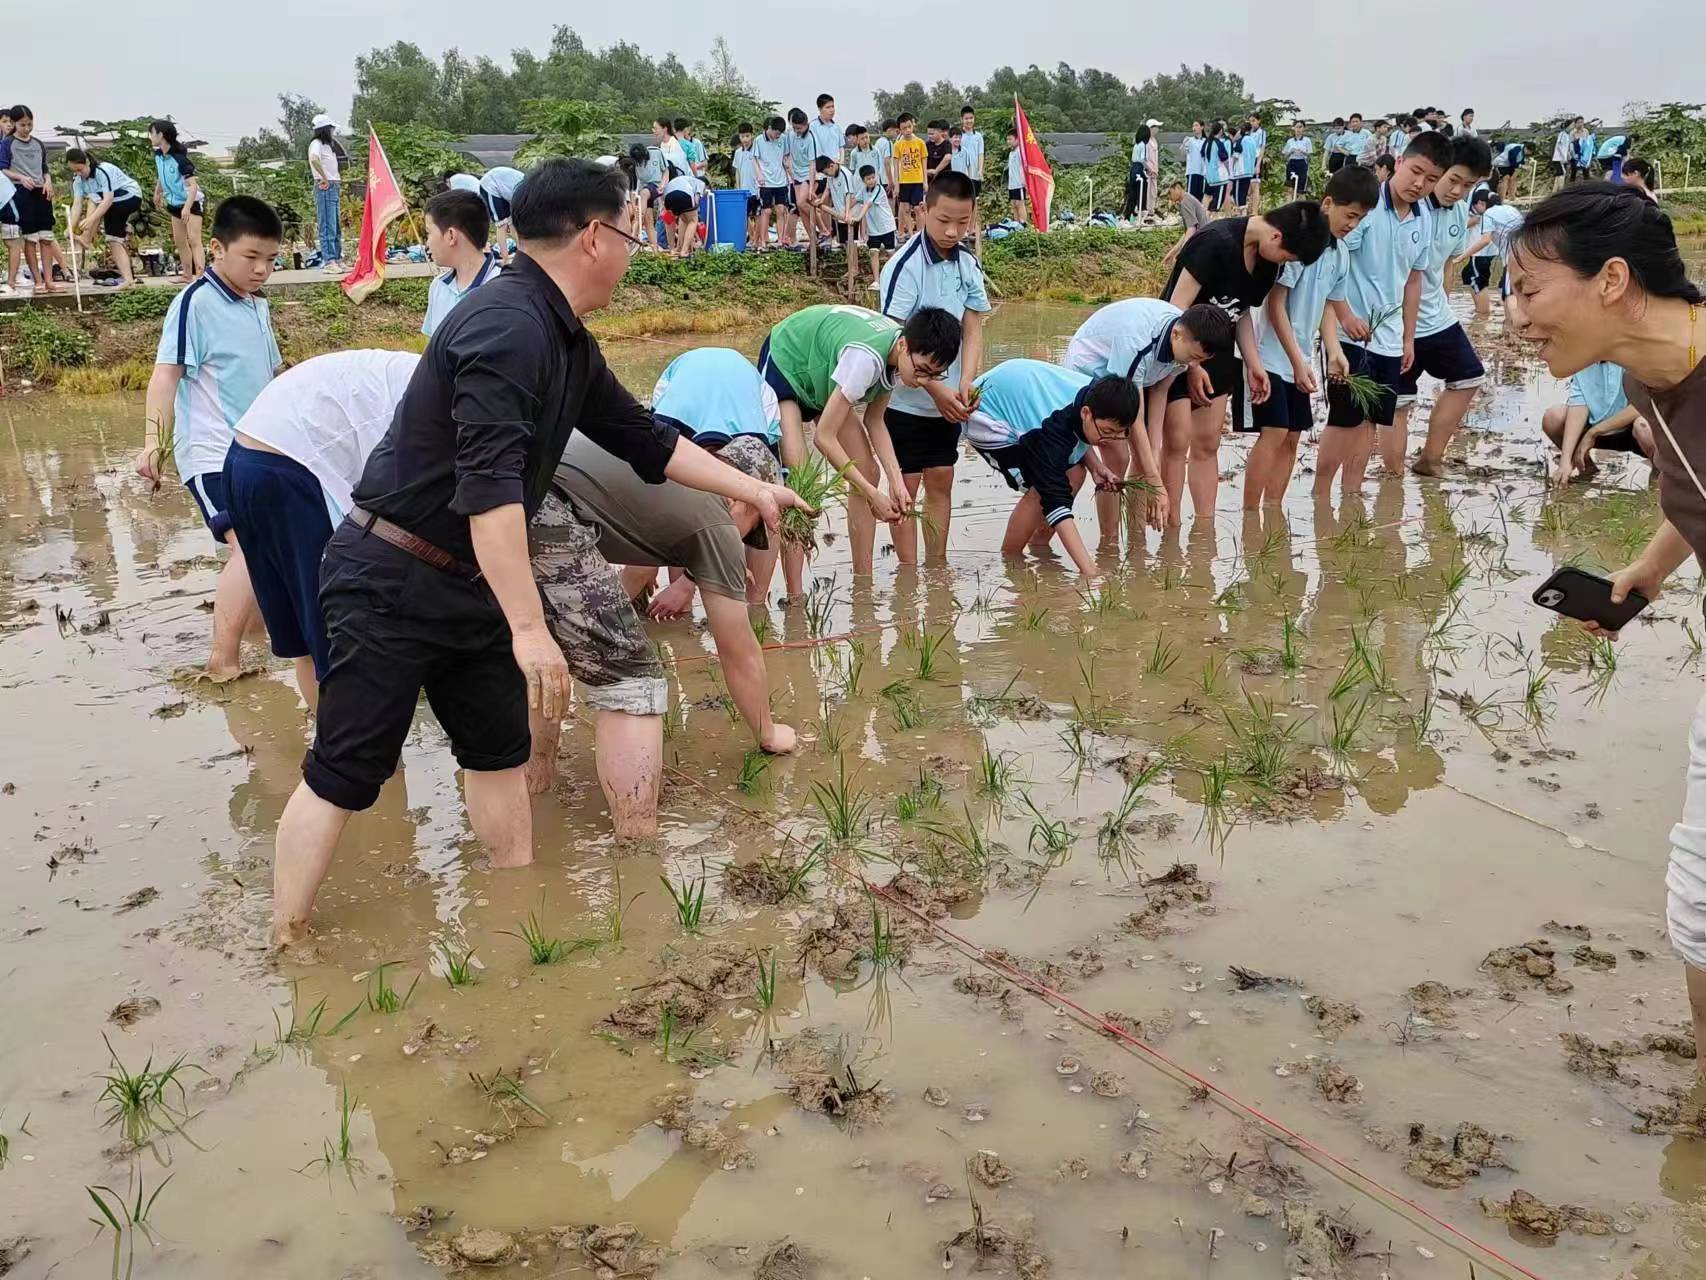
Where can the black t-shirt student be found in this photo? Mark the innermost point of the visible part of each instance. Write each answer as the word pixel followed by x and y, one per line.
pixel 1215 259
pixel 935 153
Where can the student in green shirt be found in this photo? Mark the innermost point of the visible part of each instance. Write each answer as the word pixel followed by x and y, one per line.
pixel 837 365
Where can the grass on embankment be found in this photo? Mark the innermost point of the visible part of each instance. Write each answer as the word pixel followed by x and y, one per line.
pixel 110 347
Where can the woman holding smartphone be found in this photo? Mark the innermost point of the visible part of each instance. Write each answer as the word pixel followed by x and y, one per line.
pixel 1596 276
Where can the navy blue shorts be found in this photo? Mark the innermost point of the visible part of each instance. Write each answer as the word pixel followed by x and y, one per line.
pixel 498 207
pixel 1241 191
pixel 279 512
pixel 1196 184
pixel 776 197
pixel 1297 173
pixel 779 384
pixel 1478 272
pixel 1447 355
pixel 1342 408
pixel 208 490
pixel 1286 407
pixel 922 442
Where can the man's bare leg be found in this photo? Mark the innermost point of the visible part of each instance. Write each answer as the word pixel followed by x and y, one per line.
pixel 630 765
pixel 1394 441
pixel 1175 454
pixel 861 520
pixel 938 511
pixel 307 837
pixel 307 683
pixel 500 814
pixel 234 612
pixel 1116 455
pixel 905 532
pixel 1696 981
pixel 541 768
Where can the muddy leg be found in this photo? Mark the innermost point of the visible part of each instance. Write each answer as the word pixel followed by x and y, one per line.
pixel 938 511
pixel 905 532
pixel 1443 423
pixel 500 814
pixel 307 836
pixel 234 612
pixel 630 763
pixel 1394 440
pixel 540 770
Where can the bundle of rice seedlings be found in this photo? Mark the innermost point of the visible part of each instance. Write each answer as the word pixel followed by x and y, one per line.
pixel 819 486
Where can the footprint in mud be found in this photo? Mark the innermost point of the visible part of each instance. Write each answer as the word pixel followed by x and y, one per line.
pixel 676 1114
pixel 1587 1057
pixel 1149 1030
pixel 1331 1080
pixel 693 986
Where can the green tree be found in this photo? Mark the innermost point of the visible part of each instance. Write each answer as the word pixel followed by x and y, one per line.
pixel 296 114
pixel 419 155
pixel 563 127
pixel 399 84
pixel 1195 93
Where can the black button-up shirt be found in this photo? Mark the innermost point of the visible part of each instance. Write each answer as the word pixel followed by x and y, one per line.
pixel 507 377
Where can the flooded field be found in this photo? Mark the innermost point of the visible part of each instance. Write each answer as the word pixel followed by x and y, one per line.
pixel 1315 807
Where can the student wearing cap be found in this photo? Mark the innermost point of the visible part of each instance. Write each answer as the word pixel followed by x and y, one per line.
pixel 325 158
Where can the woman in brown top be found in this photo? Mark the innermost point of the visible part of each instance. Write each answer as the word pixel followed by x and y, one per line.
pixel 1596 276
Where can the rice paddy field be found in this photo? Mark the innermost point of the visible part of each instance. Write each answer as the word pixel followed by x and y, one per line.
pixel 1290 906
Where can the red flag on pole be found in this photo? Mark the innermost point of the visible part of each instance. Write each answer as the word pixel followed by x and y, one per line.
pixel 1039 178
pixel 383 206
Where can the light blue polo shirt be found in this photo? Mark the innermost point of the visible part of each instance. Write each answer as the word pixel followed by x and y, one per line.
pixel 171 174
pixel 1353 142
pixel 884 148
pixel 917 276
pixel 501 181
pixel 1599 389
pixel 1015 169
pixel 1131 339
pixel 1261 137
pixel 716 391
pixel 1299 148
pixel 880 220
pixel 801 153
pixel 1312 288
pixel 1213 173
pixel 1608 148
pixel 859 157
pixel 746 170
pixel 1450 238
pixel 443 293
pixel 225 344
pixel 1384 250
pixel 971 145
pixel 1017 396
pixel 769 154
pixel 1396 141
pixel 1192 148
pixel 1329 141
pixel 829 138
pixel 1585 150
pixel 1139 154
pixel 105 177
pixel 1249 149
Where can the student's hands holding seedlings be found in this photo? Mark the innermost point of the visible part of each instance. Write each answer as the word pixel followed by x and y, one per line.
pixel 955 406
pixel 1337 365
pixel 1355 327
pixel 1200 384
pixel 771 500
pixel 1155 503
pixel 1101 474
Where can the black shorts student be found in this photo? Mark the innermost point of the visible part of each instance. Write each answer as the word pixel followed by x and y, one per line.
pixel 771 197
pixel 208 492
pixel 1297 174
pixel 35 214
pixel 498 207
pixel 912 193
pixel 1621 440
pixel 1196 184
pixel 751 206
pixel 1240 191
pixel 1015 194
pixel 1558 168
pixel 115 222
pixel 1216 198
pixel 1226 378
pixel 1478 272
pixel 976 188
pixel 279 513
pixel 1342 408
pixel 922 442
pixel 451 640
pixel 884 241
pixel 679 202
pixel 1287 406
pixel 195 209
pixel 841 231
pixel 1335 162
pixel 1447 355
pixel 1505 171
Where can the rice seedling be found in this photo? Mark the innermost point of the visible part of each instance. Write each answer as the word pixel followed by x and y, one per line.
pixel 342 1151
pixel 1172 577
pixel 791 874
pixel 458 964
pixel 1347 722
pixel 1354 534
pixel 1602 668
pixel 305 1027
pixel 1234 597
pixel 674 720
pixel 850 666
pixel 1161 658
pixel 767 974
pixel 1290 656
pixel 542 947
pixel 904 706
pixel 504 1093
pixel 1033 619
pixel 819 485
pixel 1217 816
pixel 146 1102
pixel 1262 749
pixel 1455 575
pixel 1351 678
pixel 831 733
pixel 1051 837
pixel 1108 600
pixel 1209 679
pixel 754 769
pixel 967 839
pixel 125 1219
pixel 678 1048
pixel 763 630
pixel 382 997
pixel 1447 634
pixel 930 652
pixel 843 808
pixel 1421 720
pixel 883 953
pixel 995 773
pixel 614 916
pixel 1537 698
pixel 1113 840
pixel 916 800
pixel 1693 640
pixel 689 898
pixel 821 601
pixel 1075 738
pixel 1373 661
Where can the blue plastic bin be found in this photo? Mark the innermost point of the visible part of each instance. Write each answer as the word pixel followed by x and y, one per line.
pixel 726 225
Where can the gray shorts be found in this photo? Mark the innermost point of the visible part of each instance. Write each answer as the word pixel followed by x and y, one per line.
pixel 591 618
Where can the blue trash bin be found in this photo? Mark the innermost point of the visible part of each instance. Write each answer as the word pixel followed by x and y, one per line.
pixel 726 223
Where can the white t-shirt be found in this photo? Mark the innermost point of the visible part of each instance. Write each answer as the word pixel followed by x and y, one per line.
pixel 858 372
pixel 328 413
pixel 322 161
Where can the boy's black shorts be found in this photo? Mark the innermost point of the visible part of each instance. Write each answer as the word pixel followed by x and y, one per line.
pixel 912 193
pixel 115 222
pixel 1558 168
pixel 1447 355
pixel 751 205
pixel 1015 193
pixel 1225 372
pixel 1335 162
pixel 841 230
pixel 1286 406
pixel 976 187
pixel 1478 272
pixel 922 442
pixel 884 241
pixel 679 203
pixel 771 197
pixel 1342 408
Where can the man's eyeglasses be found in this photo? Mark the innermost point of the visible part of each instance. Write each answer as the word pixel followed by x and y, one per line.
pixel 635 244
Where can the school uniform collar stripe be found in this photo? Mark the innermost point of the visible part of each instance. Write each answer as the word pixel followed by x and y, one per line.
pixel 225 291
pixel 900 264
pixel 184 317
pixel 933 255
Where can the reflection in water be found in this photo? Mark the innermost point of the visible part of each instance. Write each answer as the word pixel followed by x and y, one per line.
pixel 1330 666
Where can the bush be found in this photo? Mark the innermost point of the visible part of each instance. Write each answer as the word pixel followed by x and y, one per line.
pixel 139 304
pixel 36 342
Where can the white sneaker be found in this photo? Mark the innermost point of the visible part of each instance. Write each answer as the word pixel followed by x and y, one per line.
pixel 335 269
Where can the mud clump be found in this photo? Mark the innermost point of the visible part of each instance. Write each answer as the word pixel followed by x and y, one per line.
pixel 1527 965
pixel 822 1081
pixel 1076 1167
pixel 995 1249
pixel 1332 1017
pixel 766 882
pixel 1254 980
pixel 1081 962
pixel 1681 1117
pixel 1594 958
pixel 676 1115
pixel 694 985
pixel 1448 1163
pixel 1317 1244
pixel 1168 897
pixel 836 943
pixel 1146 1029
pixel 785 1261
pixel 1432 1001
pixel 1336 1084
pixel 980 984
pixel 1532 1214
pixel 1569 930
pixel 483 1246
pixel 128 1012
pixel 990 1169
pixel 929 900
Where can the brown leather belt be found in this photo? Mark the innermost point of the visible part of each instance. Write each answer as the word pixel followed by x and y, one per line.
pixel 419 548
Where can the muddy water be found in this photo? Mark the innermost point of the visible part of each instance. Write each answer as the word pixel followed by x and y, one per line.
pixel 1419 812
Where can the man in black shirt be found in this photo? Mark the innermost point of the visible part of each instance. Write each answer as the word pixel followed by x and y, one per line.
pixel 427 582
pixel 1232 263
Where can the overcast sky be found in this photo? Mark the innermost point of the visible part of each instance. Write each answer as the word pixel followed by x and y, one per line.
pixel 213 67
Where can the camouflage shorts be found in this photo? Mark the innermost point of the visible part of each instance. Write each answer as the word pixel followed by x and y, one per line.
pixel 591 618
pixel 751 455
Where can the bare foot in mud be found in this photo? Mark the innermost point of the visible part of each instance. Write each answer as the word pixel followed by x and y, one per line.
pixel 540 772
pixel 287 933
pixel 1423 465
